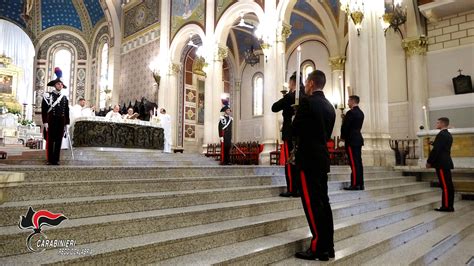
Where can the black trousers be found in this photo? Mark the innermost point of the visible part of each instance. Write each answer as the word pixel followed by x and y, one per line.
pixel 354 153
pixel 54 138
pixel 314 188
pixel 447 187
pixel 225 151
pixel 292 174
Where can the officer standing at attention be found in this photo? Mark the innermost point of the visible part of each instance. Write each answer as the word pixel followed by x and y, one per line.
pixel 55 115
pixel 440 159
pixel 313 125
pixel 225 134
pixel 286 104
pixel 350 133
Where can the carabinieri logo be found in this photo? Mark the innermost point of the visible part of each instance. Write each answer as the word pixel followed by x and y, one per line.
pixel 37 241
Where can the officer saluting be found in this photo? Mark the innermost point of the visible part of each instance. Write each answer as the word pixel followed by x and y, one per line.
pixel 313 125
pixel 55 115
pixel 225 134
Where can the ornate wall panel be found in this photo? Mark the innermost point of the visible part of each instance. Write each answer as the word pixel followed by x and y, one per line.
pixel 141 16
pixel 102 35
pixel 63 37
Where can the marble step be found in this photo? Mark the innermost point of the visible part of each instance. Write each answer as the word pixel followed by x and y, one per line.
pixel 460 254
pixel 93 228
pixel 100 228
pixel 114 204
pixel 425 249
pixel 360 248
pixel 161 245
pixel 154 247
pixel 116 162
pixel 129 203
pixel 63 173
pixel 55 189
pixel 280 246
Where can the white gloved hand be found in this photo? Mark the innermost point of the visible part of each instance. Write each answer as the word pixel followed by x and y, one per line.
pixel 45 125
pixel 222 139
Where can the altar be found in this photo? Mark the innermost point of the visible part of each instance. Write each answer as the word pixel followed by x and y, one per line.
pixel 101 132
pixel 462 150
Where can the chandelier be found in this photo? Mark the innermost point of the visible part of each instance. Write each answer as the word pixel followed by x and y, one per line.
pixel 250 57
pixel 354 10
pixel 394 16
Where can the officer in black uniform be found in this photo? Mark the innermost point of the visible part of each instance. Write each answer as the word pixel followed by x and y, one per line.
pixel 350 133
pixel 55 115
pixel 285 104
pixel 225 134
pixel 440 159
pixel 313 125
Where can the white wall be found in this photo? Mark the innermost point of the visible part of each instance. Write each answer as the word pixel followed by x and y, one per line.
pixel 396 68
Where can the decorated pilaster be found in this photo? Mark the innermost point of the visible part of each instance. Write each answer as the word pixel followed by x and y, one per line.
pixel 415 50
pixel 337 64
pixel 212 95
pixel 170 99
pixel 368 79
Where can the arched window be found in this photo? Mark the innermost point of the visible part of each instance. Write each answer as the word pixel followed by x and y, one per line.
pixel 62 59
pixel 103 78
pixel 307 67
pixel 258 94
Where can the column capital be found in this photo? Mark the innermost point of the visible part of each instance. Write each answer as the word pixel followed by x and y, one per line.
pixel 284 32
pixel 222 52
pixel 415 46
pixel 337 62
pixel 237 85
pixel 174 68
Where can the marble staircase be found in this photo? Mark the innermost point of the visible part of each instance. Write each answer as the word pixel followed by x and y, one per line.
pixel 202 215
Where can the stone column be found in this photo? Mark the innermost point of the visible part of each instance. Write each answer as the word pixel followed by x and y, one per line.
pixel 367 54
pixel 415 50
pixel 337 95
pixel 171 101
pixel 213 92
pixel 164 56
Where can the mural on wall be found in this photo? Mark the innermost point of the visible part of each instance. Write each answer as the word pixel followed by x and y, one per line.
pixel 185 12
pixel 220 7
pixel 141 16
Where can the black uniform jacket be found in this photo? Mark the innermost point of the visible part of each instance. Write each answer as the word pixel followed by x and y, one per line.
pixel 285 104
pixel 312 126
pixel 59 113
pixel 440 155
pixel 351 126
pixel 225 127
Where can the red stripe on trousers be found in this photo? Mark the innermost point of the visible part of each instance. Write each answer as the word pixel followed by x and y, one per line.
pixel 287 156
pixel 314 241
pixel 354 171
pixel 445 188
pixel 222 152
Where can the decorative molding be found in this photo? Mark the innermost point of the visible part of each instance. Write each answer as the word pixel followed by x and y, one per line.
pixel 337 62
pixel 174 68
pixel 102 35
pixel 62 37
pixel 415 46
pixel 54 29
pixel 83 16
pixel 221 53
pixel 143 38
pixel 5 61
pixel 285 31
pixel 220 6
pixel 141 16
pixel 198 65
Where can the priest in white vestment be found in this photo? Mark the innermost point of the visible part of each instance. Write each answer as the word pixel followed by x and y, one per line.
pixel 114 115
pixel 165 120
pixel 75 112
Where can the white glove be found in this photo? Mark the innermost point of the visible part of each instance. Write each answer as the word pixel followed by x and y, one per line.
pixel 222 139
pixel 45 125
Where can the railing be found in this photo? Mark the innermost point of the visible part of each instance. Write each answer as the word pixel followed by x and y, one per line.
pixel 404 149
pixel 245 153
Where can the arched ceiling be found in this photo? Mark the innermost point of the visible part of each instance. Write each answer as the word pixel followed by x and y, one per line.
pixel 82 15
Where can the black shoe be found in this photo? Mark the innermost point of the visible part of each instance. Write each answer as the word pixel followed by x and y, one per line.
pixel 331 254
pixel 354 188
pixel 443 209
pixel 286 194
pixel 308 255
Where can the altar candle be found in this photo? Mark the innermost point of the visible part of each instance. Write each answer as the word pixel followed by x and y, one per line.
pixel 426 118
pixel 298 63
